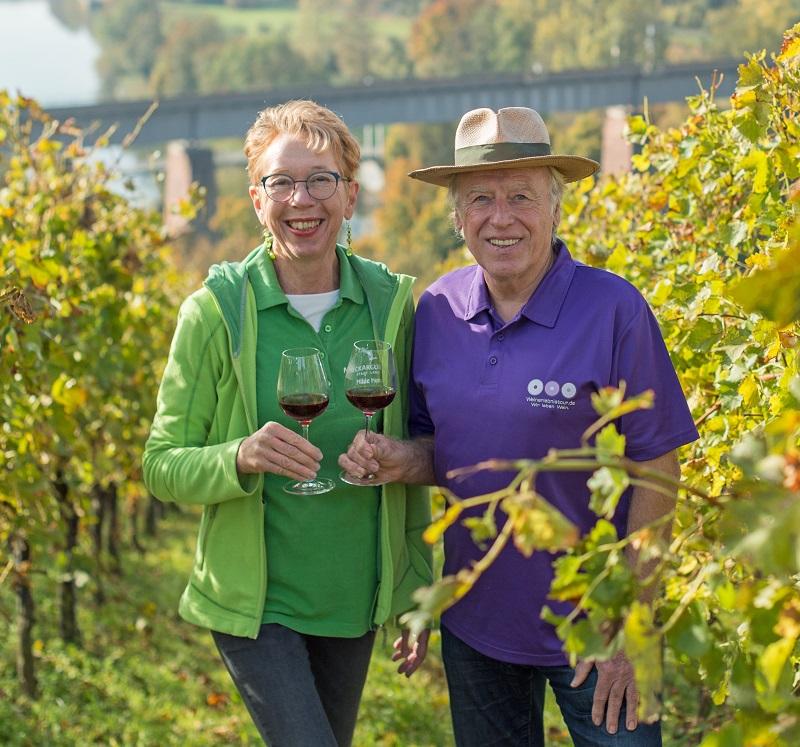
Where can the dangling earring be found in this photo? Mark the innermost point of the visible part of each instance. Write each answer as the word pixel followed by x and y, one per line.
pixel 268 239
pixel 349 246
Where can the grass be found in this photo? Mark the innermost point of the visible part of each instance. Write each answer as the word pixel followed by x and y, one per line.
pixel 253 21
pixel 144 678
pixel 406 712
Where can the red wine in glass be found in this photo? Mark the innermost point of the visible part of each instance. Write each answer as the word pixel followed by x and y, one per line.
pixel 370 384
pixel 303 406
pixel 370 399
pixel 303 393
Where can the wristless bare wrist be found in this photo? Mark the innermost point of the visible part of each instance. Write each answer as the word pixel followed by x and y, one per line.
pixel 418 461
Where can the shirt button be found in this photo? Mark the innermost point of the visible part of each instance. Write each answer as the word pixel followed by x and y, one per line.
pixel 501 336
pixel 493 360
pixel 328 328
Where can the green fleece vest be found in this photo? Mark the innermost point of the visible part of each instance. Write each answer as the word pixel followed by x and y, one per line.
pixel 207 406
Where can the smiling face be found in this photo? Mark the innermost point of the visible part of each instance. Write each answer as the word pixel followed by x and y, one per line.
pixel 304 228
pixel 507 217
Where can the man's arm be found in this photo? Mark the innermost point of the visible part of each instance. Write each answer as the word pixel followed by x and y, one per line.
pixel 648 506
pixel 615 678
pixel 390 459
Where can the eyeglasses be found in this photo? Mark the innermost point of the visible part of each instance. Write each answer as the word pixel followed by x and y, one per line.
pixel 320 185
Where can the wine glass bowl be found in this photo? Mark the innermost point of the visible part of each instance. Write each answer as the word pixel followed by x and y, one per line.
pixel 304 407
pixel 303 394
pixel 370 381
pixel 370 399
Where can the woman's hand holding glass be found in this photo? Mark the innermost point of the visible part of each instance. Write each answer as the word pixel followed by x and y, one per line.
pixel 277 449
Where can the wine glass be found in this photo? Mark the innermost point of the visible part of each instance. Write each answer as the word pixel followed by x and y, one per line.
pixel 370 382
pixel 302 395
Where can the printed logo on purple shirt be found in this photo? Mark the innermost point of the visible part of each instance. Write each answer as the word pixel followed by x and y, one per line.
pixel 558 396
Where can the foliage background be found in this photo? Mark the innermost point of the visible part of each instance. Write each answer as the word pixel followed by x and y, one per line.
pixel 706 226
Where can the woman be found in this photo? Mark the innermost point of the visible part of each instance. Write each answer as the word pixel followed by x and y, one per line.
pixel 292 587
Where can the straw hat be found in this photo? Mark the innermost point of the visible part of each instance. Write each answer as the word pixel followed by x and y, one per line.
pixel 511 138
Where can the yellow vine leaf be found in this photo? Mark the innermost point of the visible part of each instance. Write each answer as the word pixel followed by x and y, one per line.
pixel 791 48
pixel 749 390
pixel 437 529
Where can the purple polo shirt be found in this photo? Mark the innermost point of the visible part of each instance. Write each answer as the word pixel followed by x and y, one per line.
pixel 488 389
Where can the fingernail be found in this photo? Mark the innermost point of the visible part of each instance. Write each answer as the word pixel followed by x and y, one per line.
pixel 612 729
pixel 631 725
pixel 596 720
pixel 572 684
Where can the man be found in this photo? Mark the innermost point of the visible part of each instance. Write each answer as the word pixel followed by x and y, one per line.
pixel 507 355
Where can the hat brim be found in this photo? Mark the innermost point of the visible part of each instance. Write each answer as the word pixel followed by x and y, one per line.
pixel 573 168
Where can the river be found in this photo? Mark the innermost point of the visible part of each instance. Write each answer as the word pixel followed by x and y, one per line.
pixel 42 58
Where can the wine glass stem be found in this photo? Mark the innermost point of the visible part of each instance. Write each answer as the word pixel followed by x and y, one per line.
pixel 367 421
pixel 304 426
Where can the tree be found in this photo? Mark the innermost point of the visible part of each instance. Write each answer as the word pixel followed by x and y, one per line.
pixel 319 48
pixel 625 32
pixel 130 36
pixel 251 63
pixel 402 7
pixel 516 26
pixel 454 37
pixel 749 25
pixel 345 47
pixel 72 13
pixel 577 133
pixel 179 64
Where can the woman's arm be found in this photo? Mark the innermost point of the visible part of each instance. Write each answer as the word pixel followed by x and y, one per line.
pixel 179 464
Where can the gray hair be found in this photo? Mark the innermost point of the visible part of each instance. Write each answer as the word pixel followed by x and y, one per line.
pixel 556 193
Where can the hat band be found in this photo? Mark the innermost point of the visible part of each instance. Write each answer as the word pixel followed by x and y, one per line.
pixel 472 155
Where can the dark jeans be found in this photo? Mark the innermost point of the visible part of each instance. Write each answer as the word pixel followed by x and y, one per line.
pixel 496 703
pixel 301 690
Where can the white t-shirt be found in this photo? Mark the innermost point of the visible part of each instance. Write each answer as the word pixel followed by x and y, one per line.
pixel 313 306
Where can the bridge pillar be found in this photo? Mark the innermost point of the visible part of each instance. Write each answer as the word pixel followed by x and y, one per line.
pixel 185 164
pixel 615 150
pixel 373 137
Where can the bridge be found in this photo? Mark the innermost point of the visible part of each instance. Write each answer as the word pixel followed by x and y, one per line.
pixel 184 123
pixel 199 118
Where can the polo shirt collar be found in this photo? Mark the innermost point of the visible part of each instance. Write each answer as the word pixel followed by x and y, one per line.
pixel 268 291
pixel 478 298
pixel 544 305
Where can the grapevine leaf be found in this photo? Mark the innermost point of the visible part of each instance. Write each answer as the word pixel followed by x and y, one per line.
pixel 538 525
pixel 774 293
pixel 643 649
pixel 607 486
